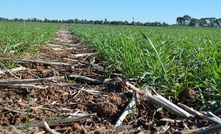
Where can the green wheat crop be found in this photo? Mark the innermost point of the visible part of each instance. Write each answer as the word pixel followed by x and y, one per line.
pixel 17 38
pixel 171 58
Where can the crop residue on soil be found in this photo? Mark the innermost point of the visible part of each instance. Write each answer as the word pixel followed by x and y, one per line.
pixel 58 93
pixel 61 98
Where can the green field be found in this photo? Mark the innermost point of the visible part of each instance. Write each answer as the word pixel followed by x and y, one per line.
pixel 174 59
pixel 24 37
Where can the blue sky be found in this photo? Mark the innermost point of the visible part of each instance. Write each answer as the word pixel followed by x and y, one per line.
pixel 142 10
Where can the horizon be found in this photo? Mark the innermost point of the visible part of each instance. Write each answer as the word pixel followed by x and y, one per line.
pixel 124 10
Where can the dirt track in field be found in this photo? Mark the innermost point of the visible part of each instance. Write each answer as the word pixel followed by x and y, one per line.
pixel 73 92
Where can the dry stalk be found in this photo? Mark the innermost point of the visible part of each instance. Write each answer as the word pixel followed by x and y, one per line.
pixel 205 130
pixel 48 129
pixel 17 111
pixel 126 111
pixel 9 81
pixel 12 70
pixel 22 86
pixel 170 120
pixel 41 62
pixel 86 78
pixel 208 115
pixel 55 122
pixel 83 55
pixel 153 96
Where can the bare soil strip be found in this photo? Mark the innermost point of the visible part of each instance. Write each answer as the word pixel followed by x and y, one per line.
pixel 66 88
pixel 64 80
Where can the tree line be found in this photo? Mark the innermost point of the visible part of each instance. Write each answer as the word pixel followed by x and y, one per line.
pixel 77 21
pixel 186 20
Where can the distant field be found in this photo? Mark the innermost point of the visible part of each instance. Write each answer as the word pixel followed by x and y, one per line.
pixel 188 57
pixel 24 37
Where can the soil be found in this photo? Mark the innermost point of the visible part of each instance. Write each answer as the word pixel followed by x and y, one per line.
pixel 100 103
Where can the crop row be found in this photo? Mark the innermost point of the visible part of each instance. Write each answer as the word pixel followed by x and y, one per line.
pixel 172 59
pixel 18 38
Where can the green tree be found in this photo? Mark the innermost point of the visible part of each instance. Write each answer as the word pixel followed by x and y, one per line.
pixel 194 22
pixel 180 21
pixel 187 20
